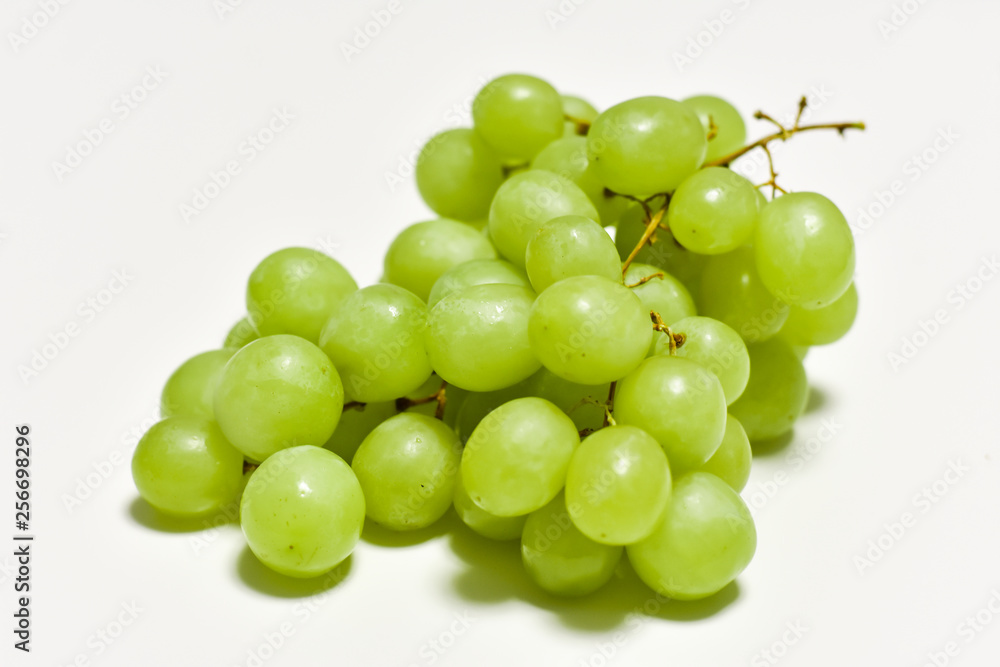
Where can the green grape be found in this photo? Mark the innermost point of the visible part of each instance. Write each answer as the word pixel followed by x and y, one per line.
pixel 804 250
pixel 407 468
pixel 424 251
pixel 618 485
pixel 515 461
pixel 184 466
pixel 568 158
pixel 561 559
pixel 190 389
pixel 730 130
pixel 476 272
pixel 518 115
pixel 713 211
pixel 706 538
pixel 732 292
pixel 821 326
pixel 293 291
pixel 500 528
pixel 571 246
pixel 677 402
pixel 354 426
pixel 731 461
pixel 716 347
pixel 376 341
pixel 583 403
pixel 526 202
pixel 665 253
pixel 662 294
pixel 800 351
pixel 646 145
pixel 589 330
pixel 477 338
pixel 579 109
pixel 479 404
pixel 458 174
pixel 302 511
pixel 241 334
pixel 776 393
pixel 277 392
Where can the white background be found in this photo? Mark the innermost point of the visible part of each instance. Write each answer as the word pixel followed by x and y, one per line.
pixel 879 434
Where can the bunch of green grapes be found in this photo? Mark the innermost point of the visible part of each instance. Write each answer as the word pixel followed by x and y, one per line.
pixel 577 354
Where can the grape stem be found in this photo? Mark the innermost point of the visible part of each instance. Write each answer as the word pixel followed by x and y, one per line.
pixel 643 281
pixel 676 339
pixel 581 126
pixel 249 467
pixel 440 397
pixel 652 224
pixel 355 405
pixel 609 405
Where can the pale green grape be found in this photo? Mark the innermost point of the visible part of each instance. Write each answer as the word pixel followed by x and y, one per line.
pixel 278 392
pixel 804 250
pixel 706 538
pixel 618 485
pixel 732 292
pixel 800 351
pixel 646 145
pixel 293 291
pixel 185 466
pixel 776 393
pixel 589 329
pixel 571 245
pixel 477 338
pixel 407 468
pixel 241 334
pixel 190 390
pixel 479 404
pixel 677 402
pixel 579 109
pixel 821 326
pixel 716 347
pixel 568 158
pixel 570 398
pixel 518 115
pixel 424 251
pixel 488 525
pixel 526 202
pixel 375 338
pixel 515 461
pixel 457 174
pixel 713 211
pixel 354 426
pixel 731 461
pixel 561 559
pixel 665 253
pixel 730 130
pixel 476 272
pixel 662 294
pixel 302 511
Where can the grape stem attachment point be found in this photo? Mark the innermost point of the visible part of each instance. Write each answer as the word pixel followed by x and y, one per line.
pixel 440 397
pixel 676 339
pixel 581 126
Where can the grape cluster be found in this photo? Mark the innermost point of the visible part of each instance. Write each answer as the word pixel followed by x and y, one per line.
pixel 576 354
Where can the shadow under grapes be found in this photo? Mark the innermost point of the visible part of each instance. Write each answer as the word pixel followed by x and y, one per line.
pixel 262 579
